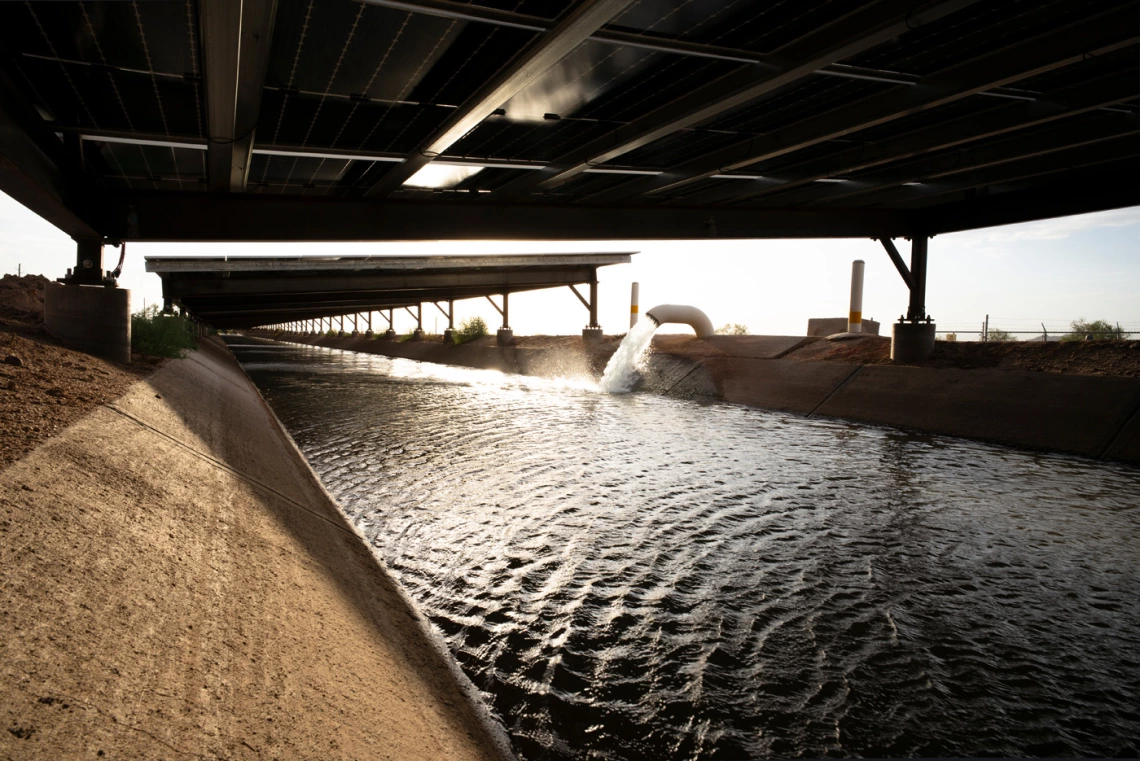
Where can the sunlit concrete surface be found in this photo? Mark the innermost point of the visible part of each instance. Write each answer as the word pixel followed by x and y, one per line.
pixel 176 582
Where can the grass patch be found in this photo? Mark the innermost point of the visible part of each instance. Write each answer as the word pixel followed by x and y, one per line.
pixel 160 335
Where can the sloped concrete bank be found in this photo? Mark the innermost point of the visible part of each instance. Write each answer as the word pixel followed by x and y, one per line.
pixel 178 583
pixel 1092 416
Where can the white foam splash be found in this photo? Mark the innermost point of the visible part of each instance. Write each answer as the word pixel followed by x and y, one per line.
pixel 621 370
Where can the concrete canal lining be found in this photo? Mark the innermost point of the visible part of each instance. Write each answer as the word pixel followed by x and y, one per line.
pixel 177 582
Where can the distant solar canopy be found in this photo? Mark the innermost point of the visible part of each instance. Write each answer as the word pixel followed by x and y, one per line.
pixel 543 119
pixel 244 292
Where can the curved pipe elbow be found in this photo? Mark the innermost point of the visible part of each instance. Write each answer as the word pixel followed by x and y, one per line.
pixel 682 315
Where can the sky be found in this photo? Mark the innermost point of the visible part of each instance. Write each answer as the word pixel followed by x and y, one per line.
pixel 1055 271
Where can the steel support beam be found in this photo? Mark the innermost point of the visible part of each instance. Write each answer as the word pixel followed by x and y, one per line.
pixel 897 259
pixel 1093 35
pixel 585 18
pixel 1061 137
pixel 854 33
pixel 257 217
pixel 236 37
pixel 36 170
pixel 321 286
pixel 1007 118
pixel 1106 152
pixel 1071 193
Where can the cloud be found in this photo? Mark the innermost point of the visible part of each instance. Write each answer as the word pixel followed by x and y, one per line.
pixel 1049 229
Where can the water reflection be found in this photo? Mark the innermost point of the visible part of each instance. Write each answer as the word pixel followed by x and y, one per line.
pixel 633 577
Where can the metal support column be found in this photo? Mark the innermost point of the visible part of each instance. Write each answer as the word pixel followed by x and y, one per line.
pixel 88 263
pixel 917 309
pixel 505 335
pixel 449 313
pixel 912 338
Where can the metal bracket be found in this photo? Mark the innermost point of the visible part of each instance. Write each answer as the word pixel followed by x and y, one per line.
pixel 585 303
pixel 900 265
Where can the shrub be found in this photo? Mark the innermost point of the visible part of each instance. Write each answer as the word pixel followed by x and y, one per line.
pixel 995 335
pixel 1100 330
pixel 470 329
pixel 160 335
pixel 732 329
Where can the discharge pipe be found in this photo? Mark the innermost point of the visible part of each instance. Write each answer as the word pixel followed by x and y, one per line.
pixel 682 315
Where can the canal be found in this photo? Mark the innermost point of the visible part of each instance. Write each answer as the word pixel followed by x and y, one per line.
pixel 637 577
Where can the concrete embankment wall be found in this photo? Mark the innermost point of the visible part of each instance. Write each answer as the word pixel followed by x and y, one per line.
pixel 1091 416
pixel 178 583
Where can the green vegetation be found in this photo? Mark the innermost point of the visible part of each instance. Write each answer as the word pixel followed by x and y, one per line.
pixel 1100 330
pixel 470 329
pixel 160 335
pixel 995 334
pixel 732 329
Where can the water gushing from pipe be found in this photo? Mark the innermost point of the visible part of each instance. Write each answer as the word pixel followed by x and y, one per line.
pixel 621 370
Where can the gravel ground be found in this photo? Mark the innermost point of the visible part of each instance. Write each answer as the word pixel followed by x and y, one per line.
pixel 45 386
pixel 1110 358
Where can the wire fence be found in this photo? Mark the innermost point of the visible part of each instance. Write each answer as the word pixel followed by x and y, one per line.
pixel 994 328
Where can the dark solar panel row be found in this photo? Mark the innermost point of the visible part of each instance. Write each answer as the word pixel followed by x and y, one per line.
pixel 346 75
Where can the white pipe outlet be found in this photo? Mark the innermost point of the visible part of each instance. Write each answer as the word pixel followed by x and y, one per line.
pixel 682 315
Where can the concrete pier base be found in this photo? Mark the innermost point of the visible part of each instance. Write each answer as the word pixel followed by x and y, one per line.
pixel 92 318
pixel 449 336
pixel 912 341
pixel 418 334
pixel 592 334
pixel 505 336
pixel 389 335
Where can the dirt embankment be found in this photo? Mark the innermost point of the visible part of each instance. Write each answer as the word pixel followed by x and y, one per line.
pixel 1106 358
pixel 45 386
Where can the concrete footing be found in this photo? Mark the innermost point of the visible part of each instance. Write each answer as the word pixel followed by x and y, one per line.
pixel 369 334
pixel 912 341
pixel 418 334
pixel 389 335
pixel 449 336
pixel 592 334
pixel 92 318
pixel 505 335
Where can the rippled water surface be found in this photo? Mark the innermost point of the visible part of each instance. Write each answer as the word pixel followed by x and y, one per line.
pixel 635 577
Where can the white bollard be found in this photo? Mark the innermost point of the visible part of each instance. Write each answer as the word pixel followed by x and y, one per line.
pixel 855 318
pixel 633 316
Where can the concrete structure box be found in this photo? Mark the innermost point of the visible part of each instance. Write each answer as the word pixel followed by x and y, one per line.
pixel 93 318
pixel 826 326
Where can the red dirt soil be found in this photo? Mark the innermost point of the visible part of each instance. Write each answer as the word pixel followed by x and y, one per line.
pixel 1112 358
pixel 45 386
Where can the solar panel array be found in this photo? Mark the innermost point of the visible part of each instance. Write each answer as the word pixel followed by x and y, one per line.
pixel 986 98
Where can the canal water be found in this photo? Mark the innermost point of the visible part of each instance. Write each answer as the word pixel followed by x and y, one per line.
pixel 637 577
